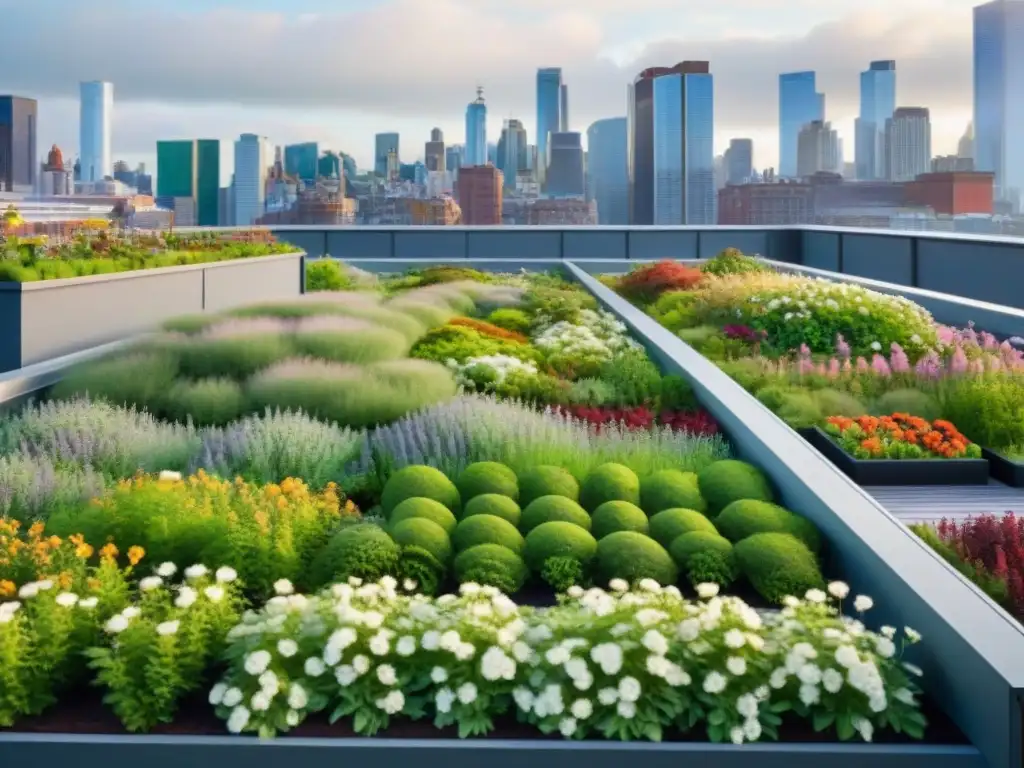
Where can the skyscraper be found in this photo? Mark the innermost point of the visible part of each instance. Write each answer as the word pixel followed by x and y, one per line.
pixel 877 103
pixel 300 160
pixel 608 169
pixel 512 151
pixel 433 151
pixel 563 114
pixel 908 142
pixel 549 113
pixel 188 180
pixel 565 170
pixel 739 161
pixel 476 130
pixel 998 99
pixel 799 104
pixel 453 157
pixel 96 111
pixel 207 182
pixel 818 149
pixel 252 158
pixel 384 144
pixel 18 156
pixel 683 144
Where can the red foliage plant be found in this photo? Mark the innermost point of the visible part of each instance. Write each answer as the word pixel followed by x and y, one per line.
pixel 996 544
pixel 641 417
pixel 645 284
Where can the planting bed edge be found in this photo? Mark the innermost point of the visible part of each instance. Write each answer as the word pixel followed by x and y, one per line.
pixel 1006 471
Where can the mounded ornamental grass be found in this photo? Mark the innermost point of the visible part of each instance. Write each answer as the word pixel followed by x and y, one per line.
pixel 206 402
pixel 138 378
pixel 234 348
pixel 347 340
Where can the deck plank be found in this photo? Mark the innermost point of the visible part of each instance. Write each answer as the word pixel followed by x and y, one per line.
pixel 916 503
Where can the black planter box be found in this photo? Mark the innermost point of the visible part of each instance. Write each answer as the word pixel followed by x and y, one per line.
pixel 1004 470
pixel 868 472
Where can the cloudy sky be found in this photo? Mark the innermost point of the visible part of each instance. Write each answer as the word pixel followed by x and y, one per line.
pixel 338 71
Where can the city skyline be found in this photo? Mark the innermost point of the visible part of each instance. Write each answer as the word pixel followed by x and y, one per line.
pixel 599 46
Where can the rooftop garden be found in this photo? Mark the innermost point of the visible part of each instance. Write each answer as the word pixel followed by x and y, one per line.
pixel 465 499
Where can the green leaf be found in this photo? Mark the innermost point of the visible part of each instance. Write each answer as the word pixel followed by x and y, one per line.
pixel 823 720
pixel 361 723
pixel 717 717
pixel 844 727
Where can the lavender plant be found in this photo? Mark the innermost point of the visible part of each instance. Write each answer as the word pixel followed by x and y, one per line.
pixel 30 488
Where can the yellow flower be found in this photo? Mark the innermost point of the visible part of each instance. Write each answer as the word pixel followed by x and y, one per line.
pixel 54 542
pixel 109 551
pixel 65 580
pixel 273 489
pixel 135 554
pixel 7 588
pixel 36 530
pixel 93 584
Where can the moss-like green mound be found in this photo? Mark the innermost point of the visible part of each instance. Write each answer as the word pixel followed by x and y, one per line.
pixel 493 504
pixel 615 516
pixel 428 509
pixel 671 489
pixel 547 509
pixel 730 480
pixel 493 565
pixel 418 481
pixel 487 477
pixel 777 565
pixel 547 481
pixel 425 534
pixel 363 550
pixel 671 523
pixel 746 517
pixel 705 557
pixel 487 529
pixel 558 539
pixel 633 556
pixel 609 482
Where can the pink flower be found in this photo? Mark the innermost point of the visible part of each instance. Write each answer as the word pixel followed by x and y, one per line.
pixel 958 363
pixel 929 366
pixel 977 366
pixel 988 341
pixel 862 365
pixel 847 366
pixel 805 366
pixel 994 363
pixel 945 334
pixel 898 359
pixel 833 368
pixel 842 348
pixel 880 366
pixel 805 351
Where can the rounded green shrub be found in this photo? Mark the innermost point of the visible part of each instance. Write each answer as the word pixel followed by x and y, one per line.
pixel 366 343
pixel 492 565
pixel 800 410
pixel 550 508
pixel 419 481
pixel 510 319
pixel 704 556
pixel 428 509
pixel 834 402
pixel 363 550
pixel 487 529
pixel 633 556
pixel 777 565
pixel 547 481
pixel 669 524
pixel 745 517
pixel 562 572
pixel 615 516
pixel 806 531
pixel 728 480
pixel 772 397
pixel 487 477
pixel 423 533
pixel 911 401
pixel 140 379
pixel 236 357
pixel 190 324
pixel 558 539
pixel 609 482
pixel 671 489
pixel 493 504
pixel 421 567
pixel 207 402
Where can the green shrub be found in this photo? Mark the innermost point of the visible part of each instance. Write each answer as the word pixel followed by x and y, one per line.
pixel 677 394
pixel 510 319
pixel 699 336
pixel 347 340
pixel 414 381
pixel 547 481
pixel 834 402
pixel 911 401
pixel 207 402
pixel 190 324
pixel 704 557
pixel 728 480
pixel 562 572
pixel 407 325
pixel 615 516
pixel 558 538
pixel 745 517
pixel 633 556
pixel 609 482
pixel 487 477
pixel 634 377
pixel 326 275
pixel 493 504
pixel 419 481
pixel 731 261
pixel 777 565
pixel 428 509
pixel 443 273
pixel 491 565
pixel 236 357
pixel 676 310
pixel 423 533
pixel 487 529
pixel 591 391
pixel 774 396
pixel 800 410
pixel 670 489
pixel 669 524
pixel 421 567
pixel 363 550
pixel 142 379
pixel 460 343
pixel 550 508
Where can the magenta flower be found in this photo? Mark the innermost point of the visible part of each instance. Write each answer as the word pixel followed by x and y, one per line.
pixel 842 348
pixel 862 365
pixel 805 366
pixel 833 368
pixel 946 334
pixel 880 366
pixel 898 359
pixel 958 363
pixel 805 351
pixel 929 366
pixel 988 341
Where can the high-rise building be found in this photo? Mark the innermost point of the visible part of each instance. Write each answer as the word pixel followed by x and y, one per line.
pixel 799 104
pixel 607 169
pixel 476 130
pixel 683 145
pixel 512 151
pixel 818 149
pixel 433 152
pixel 998 98
pixel 252 159
pixel 453 157
pixel 739 161
pixel 549 113
pixel 480 195
pixel 877 103
pixel 908 143
pixel 565 176
pixel 96 112
pixel 208 182
pixel 563 114
pixel 965 147
pixel 300 161
pixel 384 143
pixel 188 180
pixel 329 166
pixel 18 155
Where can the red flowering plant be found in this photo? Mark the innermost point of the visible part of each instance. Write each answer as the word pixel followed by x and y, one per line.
pixel 641 417
pixel 993 548
pixel 900 436
pixel 646 283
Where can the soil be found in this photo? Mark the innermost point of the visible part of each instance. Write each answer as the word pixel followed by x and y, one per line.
pixel 83 712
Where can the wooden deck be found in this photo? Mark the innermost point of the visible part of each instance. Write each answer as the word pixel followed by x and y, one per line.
pixel 917 504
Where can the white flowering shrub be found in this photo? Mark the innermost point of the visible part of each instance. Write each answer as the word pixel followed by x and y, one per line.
pixel 622 664
pixel 582 347
pixel 488 372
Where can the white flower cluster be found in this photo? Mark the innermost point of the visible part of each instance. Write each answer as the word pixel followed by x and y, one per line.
pixel 35 589
pixel 614 662
pixel 501 365
pixel 597 335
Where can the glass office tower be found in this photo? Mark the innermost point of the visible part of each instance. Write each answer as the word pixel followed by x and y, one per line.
pixel 300 160
pixel 95 117
pixel 549 114
pixel 384 144
pixel 799 104
pixel 877 104
pixel 607 169
pixel 476 130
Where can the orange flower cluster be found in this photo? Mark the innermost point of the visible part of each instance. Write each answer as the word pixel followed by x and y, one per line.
pixel 878 435
pixel 488 329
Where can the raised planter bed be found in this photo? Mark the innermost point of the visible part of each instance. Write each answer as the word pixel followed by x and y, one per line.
pixel 51 318
pixel 1006 471
pixel 870 472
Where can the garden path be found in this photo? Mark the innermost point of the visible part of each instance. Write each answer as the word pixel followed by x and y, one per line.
pixel 918 504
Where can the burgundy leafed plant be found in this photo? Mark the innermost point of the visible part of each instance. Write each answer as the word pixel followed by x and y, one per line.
pixel 645 284
pixel 641 417
pixel 996 544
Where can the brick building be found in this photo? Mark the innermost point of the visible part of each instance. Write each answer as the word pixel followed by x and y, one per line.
pixel 479 192
pixel 953 193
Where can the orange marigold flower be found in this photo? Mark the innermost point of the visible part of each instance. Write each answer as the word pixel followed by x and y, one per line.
pixel 36 530
pixel 135 554
pixel 109 551
pixel 54 542
pixel 7 588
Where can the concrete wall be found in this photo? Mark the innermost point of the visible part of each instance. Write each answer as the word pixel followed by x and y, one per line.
pixel 51 318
